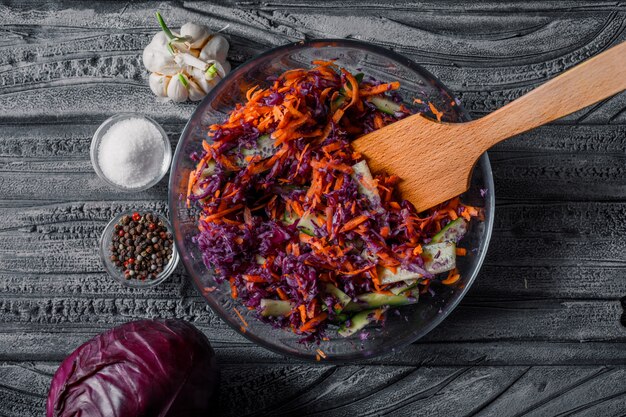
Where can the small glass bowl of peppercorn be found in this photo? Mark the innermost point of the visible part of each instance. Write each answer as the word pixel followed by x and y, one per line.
pixel 137 249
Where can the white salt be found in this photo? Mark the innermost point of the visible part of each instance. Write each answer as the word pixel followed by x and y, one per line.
pixel 131 153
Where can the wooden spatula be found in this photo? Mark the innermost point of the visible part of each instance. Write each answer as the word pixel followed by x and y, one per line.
pixel 435 160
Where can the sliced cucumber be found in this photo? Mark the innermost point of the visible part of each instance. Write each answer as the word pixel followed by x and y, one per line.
pixel 343 298
pixel 452 232
pixel 362 175
pixel 275 308
pixel 206 173
pixel 308 222
pixel 264 148
pixel 359 79
pixel 387 276
pixel 289 218
pixel 368 256
pixel 337 103
pixel 439 257
pixel 385 105
pixel 340 318
pixel 357 322
pixel 209 170
pixel 408 285
pixel 375 300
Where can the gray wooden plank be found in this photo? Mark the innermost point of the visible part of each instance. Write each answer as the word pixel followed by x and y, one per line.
pixel 255 390
pixel 56 343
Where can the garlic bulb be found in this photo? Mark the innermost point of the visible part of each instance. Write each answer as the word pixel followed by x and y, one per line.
pixel 185 65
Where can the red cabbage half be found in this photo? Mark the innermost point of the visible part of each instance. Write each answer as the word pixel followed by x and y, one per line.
pixel 147 368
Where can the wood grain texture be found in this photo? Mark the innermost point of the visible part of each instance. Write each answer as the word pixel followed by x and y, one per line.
pixel 434 159
pixel 539 334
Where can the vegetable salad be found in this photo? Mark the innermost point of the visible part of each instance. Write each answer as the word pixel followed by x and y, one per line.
pixel 293 219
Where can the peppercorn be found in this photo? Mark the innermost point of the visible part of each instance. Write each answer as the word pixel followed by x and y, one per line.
pixel 141 246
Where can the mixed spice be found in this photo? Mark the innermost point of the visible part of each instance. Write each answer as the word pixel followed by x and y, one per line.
pixel 141 246
pixel 293 219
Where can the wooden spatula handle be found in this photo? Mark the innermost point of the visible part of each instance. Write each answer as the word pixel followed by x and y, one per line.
pixel 594 80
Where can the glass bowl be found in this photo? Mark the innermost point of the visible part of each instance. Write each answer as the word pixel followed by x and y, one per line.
pixel 413 321
pixel 95 145
pixel 115 272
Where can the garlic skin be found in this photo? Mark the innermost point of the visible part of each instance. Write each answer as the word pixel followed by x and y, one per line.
pixel 189 54
pixel 177 91
pixel 159 83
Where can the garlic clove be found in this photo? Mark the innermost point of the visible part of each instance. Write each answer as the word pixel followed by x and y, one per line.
pixel 158 84
pixel 196 93
pixel 159 39
pixel 158 59
pixel 200 80
pixel 215 49
pixel 225 68
pixel 176 90
pixel 221 69
pixel 198 34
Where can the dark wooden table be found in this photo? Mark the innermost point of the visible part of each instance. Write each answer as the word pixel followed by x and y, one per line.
pixel 539 333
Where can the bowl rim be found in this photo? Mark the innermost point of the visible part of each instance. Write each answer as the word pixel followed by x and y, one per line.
pixel 169 269
pixel 101 131
pixel 356 355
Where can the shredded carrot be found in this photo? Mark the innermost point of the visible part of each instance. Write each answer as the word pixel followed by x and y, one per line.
pixel 311 324
pixel 233 288
pixel 461 251
pixel 353 223
pixel 451 279
pixel 254 278
pixel 245 324
pixel 435 111
pixel 356 272
pixel 222 213
pixel 321 353
pixel 311 310
pixel 282 294
pixel 302 310
pixel 379 89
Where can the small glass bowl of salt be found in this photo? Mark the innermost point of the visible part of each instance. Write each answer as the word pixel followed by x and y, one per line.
pixel 130 152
